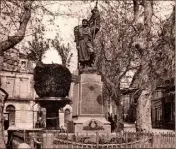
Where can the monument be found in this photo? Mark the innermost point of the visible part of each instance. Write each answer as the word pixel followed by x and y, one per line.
pixel 88 114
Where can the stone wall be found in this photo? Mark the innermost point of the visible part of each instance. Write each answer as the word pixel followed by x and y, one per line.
pixel 18 85
pixel 25 118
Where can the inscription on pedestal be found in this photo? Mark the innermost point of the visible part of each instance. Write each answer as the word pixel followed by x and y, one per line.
pixel 91 99
pixel 93 125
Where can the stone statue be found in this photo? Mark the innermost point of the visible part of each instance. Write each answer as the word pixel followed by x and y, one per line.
pixel 84 38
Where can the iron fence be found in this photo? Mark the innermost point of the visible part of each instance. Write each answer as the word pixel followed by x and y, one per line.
pixel 55 139
pixel 119 140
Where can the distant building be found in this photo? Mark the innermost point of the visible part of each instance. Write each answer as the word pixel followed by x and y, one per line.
pixel 126 99
pixel 162 105
pixel 17 79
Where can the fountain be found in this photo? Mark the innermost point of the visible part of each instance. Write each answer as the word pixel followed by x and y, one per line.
pixel 52 85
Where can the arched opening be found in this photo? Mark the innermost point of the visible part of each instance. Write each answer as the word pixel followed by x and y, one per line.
pixel 11 110
pixel 67 115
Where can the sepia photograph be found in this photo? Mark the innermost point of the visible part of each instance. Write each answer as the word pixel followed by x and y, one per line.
pixel 87 74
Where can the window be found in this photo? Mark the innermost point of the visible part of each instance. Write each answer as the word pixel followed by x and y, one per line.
pixel 24 87
pixel 17 87
pixel 23 65
pixel 10 86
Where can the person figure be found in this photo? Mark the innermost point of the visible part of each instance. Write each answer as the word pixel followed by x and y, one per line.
pixel 84 36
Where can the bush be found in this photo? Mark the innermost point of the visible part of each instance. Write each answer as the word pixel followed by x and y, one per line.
pixel 52 80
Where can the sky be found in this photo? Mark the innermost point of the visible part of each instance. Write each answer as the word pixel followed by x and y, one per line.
pixel 70 15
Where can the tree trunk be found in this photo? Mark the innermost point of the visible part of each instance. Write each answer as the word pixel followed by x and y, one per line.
pixel 13 40
pixel 2 143
pixel 116 98
pixel 136 10
pixel 143 111
pixel 119 120
pixel 1 64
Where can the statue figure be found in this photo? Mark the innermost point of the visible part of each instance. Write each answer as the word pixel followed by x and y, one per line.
pixel 84 38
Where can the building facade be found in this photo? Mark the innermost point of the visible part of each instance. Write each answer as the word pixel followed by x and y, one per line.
pixel 20 103
pixel 163 106
pixel 17 80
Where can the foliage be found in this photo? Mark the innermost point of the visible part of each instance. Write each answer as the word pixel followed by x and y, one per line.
pixel 153 65
pixel 115 53
pixel 62 51
pixel 23 19
pixel 52 80
pixel 119 38
pixel 18 19
pixel 159 56
pixel 162 63
pixel 130 40
pixel 38 46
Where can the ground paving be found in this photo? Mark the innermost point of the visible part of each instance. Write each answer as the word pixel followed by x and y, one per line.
pixel 131 127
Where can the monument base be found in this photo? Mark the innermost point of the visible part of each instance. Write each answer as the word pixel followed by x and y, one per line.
pixel 88 105
pixel 91 124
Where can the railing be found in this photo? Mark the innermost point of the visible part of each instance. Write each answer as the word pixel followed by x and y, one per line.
pixel 69 144
pixel 130 140
pixel 55 139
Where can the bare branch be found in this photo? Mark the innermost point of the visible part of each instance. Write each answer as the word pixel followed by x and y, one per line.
pixel 126 69
pixel 13 40
pixel 11 17
pixel 112 8
pixel 148 9
pixel 106 80
pixel 136 10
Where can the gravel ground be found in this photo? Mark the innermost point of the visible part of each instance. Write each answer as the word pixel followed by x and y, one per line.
pixel 131 127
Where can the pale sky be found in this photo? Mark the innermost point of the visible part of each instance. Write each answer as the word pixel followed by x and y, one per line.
pixel 70 15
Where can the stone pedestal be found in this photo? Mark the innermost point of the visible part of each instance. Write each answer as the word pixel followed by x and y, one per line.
pixel 48 140
pixel 61 118
pixel 88 113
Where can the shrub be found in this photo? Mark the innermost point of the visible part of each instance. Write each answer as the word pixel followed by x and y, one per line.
pixel 52 80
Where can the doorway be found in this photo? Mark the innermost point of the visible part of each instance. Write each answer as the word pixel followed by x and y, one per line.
pixel 11 110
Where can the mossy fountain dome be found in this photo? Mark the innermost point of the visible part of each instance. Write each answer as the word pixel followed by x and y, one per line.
pixel 52 80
